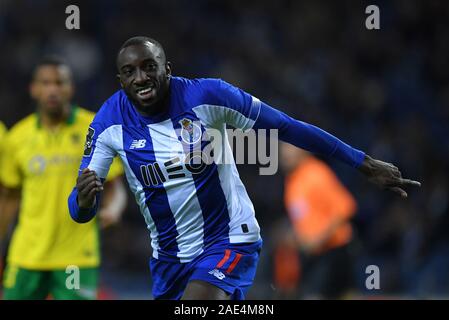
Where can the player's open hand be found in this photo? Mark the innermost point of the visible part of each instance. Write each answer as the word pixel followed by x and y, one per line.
pixel 386 176
pixel 88 185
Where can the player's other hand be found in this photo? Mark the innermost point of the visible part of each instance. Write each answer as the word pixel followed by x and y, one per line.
pixel 386 176
pixel 88 185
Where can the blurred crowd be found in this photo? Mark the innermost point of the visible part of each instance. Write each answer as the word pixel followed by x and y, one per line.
pixel 383 91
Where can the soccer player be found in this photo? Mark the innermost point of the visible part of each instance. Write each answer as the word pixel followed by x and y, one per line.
pixel 205 237
pixel 40 159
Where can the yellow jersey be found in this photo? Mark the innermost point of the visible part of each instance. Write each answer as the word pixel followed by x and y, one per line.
pixel 44 164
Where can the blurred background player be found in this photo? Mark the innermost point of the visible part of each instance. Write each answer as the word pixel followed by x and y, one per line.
pixel 38 172
pixel 320 209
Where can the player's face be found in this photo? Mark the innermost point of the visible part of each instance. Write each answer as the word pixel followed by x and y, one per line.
pixel 144 75
pixel 52 88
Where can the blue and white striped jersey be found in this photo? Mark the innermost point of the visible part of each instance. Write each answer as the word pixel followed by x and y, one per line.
pixel 190 204
pixel 187 205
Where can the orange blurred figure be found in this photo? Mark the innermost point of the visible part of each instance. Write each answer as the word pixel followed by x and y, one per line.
pixel 320 209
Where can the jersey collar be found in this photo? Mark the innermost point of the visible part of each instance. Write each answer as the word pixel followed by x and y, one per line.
pixel 69 121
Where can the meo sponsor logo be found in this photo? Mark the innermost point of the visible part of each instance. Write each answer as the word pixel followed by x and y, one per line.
pixel 218 274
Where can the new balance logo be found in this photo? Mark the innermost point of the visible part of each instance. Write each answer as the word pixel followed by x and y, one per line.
pixel 138 144
pixel 218 274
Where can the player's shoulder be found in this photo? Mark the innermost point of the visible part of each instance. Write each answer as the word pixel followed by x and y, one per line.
pixel 206 90
pixel 111 112
pixel 196 81
pixel 24 127
pixel 83 115
pixel 204 84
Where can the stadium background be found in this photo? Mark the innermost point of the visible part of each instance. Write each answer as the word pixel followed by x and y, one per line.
pixel 385 91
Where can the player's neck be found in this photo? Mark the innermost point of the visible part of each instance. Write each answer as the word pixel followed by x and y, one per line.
pixel 53 121
pixel 157 108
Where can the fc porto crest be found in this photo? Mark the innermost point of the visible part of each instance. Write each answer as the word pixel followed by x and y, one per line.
pixel 190 131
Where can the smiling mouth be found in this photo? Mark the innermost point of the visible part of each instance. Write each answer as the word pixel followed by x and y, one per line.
pixel 146 92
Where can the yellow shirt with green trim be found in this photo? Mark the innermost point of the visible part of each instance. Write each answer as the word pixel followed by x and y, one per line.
pixel 44 164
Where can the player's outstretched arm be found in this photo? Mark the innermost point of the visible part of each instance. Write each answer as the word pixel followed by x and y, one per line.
pixel 243 111
pixel 316 140
pixel 306 136
pixel 386 176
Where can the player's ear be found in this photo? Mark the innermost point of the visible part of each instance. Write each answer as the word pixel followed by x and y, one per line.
pixel 120 80
pixel 168 69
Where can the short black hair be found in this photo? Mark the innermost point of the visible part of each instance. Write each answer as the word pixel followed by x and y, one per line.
pixel 50 60
pixel 140 40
